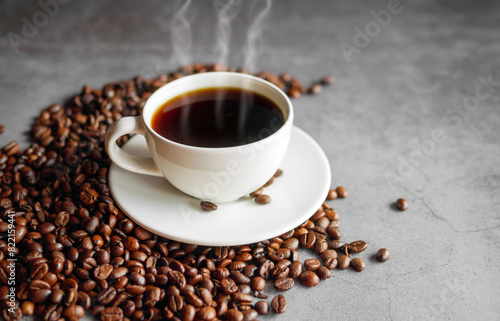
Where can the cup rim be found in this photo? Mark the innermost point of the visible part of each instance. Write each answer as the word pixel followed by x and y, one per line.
pixel 287 122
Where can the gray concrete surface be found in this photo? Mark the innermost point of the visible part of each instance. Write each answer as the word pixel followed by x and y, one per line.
pixel 409 116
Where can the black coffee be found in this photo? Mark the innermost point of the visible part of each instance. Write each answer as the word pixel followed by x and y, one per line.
pixel 217 117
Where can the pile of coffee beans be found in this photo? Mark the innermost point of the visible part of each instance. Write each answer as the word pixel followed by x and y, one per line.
pixel 66 247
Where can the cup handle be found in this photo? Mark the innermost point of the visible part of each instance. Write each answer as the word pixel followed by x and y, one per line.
pixel 130 162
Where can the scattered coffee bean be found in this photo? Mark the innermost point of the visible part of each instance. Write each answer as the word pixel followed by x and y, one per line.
pixel 295 269
pixel 356 247
pixel 334 232
pixel 336 245
pixel 358 264
pixel 402 204
pixel 263 199
pixel 383 255
pixel 341 192
pixel 312 264
pixel 332 194
pixel 208 206
pixel 284 284
pixel 343 262
pixel 324 273
pixel 327 80
pixel 278 304
pixel 315 89
pixel 309 278
pixel 262 307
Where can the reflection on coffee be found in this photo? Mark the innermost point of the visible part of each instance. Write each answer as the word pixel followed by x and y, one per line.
pixel 217 117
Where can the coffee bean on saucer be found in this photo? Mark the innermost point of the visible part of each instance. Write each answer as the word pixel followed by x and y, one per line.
pixel 208 206
pixel 332 194
pixel 383 255
pixel 269 182
pixel 263 199
pixel 257 192
pixel 341 192
pixel 278 173
pixel 402 204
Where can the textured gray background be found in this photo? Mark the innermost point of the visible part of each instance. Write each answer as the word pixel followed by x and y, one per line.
pixel 410 80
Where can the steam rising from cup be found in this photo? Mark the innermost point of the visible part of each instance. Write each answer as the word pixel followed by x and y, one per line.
pixel 181 35
pixel 254 36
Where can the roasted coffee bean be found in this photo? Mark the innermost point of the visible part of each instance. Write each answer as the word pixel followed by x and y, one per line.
pixel 112 314
pixel 239 297
pixel 358 264
pixel 324 273
pixel 206 313
pixel 105 296
pixel 283 284
pixel 329 254
pixel 208 206
pixel 327 80
pixel 39 271
pixel 320 246
pixel 250 315
pixel 332 215
pixel 356 246
pixel 228 286
pixel 233 315
pixel 74 312
pixel 258 283
pixel 244 288
pixel 402 204
pixel 330 263
pixel 309 278
pixel 102 272
pixel 278 304
pixel 265 268
pixel 262 307
pixel 383 255
pixel 307 240
pixel 312 264
pixel 257 192
pixel 295 269
pixel 334 232
pixel 336 245
pixel 279 271
pixel 343 262
pixel 341 192
pixel 291 243
pixel 332 194
pixel 315 89
pixel 262 199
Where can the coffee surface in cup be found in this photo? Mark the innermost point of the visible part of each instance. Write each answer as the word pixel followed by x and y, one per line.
pixel 217 117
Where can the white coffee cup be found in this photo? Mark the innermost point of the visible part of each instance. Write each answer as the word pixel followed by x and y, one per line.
pixel 220 174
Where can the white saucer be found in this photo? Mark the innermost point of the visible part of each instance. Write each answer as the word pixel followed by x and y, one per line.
pixel 156 205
